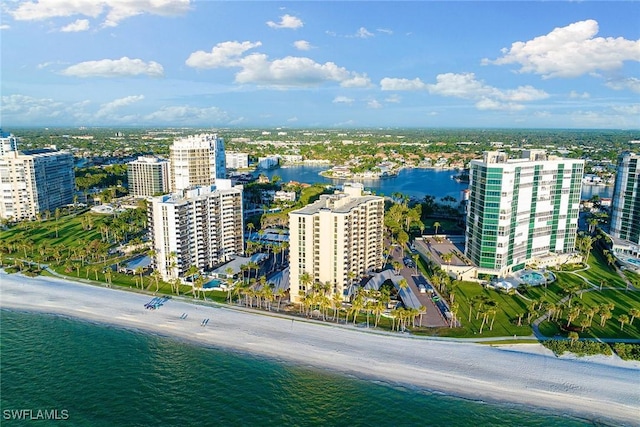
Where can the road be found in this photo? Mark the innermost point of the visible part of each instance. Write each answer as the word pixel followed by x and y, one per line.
pixel 433 318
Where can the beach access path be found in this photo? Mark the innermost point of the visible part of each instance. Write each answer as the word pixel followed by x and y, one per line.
pixel 597 388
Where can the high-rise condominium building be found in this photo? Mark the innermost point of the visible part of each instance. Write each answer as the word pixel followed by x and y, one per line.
pixel 339 234
pixel 35 181
pixel 520 209
pixel 8 143
pixel 625 204
pixel 196 161
pixel 148 176
pixel 236 160
pixel 200 227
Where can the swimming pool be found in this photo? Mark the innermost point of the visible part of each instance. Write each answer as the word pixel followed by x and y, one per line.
pixel 139 262
pixel 211 284
pixel 534 278
pixel 630 260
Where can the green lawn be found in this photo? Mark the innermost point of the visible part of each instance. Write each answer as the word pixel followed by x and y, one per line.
pixel 508 309
pixel 623 302
pixel 599 271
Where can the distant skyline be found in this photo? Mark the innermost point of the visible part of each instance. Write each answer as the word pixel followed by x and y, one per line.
pixel 508 64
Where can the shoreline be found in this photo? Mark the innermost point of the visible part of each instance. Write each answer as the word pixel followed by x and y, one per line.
pixel 591 388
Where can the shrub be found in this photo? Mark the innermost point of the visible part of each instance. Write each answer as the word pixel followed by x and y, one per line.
pixel 627 351
pixel 580 348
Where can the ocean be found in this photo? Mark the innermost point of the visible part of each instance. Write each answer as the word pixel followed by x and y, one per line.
pixel 88 374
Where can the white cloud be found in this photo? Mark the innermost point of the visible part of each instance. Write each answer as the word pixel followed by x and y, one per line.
pixel 4 27
pixel 576 95
pixel 290 71
pixel 632 110
pixel 116 10
pixel 342 100
pixel 111 107
pixel 286 21
pixel 292 120
pixel 570 51
pixel 603 120
pixel 295 71
pixel 389 83
pixel 27 110
pixel 123 67
pixel 631 83
pixel 363 33
pixel 74 27
pixel 492 104
pixel 393 98
pixel 466 86
pixel 225 54
pixel 385 31
pixel 374 104
pixel 302 45
pixel 186 114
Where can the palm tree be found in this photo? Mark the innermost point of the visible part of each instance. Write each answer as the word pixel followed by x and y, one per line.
pixel 139 271
pixel 173 263
pixel 356 305
pixel 198 285
pixel 402 284
pixel 584 323
pixel 623 318
pixel 604 316
pixel 436 225
pixel 57 216
pixel 175 284
pixel 634 312
pixel 454 314
pixel 192 271
pixel 593 222
pixel 573 336
pixel 574 312
pixel 448 257
pixel 155 274
pixel 95 269
pixel 305 280
pixel 396 265
pixel 336 301
pixel 279 293
pixel 107 275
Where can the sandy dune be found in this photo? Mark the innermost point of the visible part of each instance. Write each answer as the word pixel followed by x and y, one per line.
pixel 601 388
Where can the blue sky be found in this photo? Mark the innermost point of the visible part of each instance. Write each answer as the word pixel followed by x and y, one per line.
pixel 301 64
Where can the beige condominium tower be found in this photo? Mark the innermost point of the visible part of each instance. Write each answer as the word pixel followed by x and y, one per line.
pixel 337 235
pixel 148 176
pixel 196 161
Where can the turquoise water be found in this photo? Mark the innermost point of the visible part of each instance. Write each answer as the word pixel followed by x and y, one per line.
pixel 211 284
pixel 105 376
pixel 532 278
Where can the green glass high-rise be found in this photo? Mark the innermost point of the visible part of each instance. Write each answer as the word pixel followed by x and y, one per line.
pixel 625 204
pixel 521 209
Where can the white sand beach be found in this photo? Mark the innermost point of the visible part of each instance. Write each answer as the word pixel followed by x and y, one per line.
pixel 601 388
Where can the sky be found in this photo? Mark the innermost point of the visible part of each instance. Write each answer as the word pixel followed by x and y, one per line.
pixel 320 64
